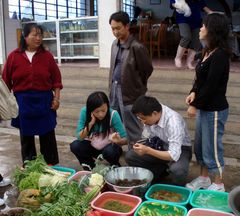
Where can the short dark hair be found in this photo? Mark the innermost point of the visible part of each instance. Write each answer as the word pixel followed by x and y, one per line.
pixel 120 16
pixel 26 31
pixel 146 105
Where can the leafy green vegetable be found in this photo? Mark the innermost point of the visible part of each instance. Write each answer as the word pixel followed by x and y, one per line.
pixel 49 180
pixel 38 165
pixel 67 201
pixel 29 182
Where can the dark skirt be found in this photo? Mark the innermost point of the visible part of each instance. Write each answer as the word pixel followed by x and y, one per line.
pixel 35 114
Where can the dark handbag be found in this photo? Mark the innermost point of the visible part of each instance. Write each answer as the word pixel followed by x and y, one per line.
pixel 155 143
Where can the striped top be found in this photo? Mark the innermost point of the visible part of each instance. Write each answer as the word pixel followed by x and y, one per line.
pixel 172 129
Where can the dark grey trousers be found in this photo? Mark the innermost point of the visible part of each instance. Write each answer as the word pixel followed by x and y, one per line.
pixel 132 125
pixel 189 37
pixel 177 171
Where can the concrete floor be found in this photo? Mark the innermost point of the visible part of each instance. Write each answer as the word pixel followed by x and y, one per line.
pixel 10 157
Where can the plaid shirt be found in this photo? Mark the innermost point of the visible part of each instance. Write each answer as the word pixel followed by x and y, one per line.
pixel 172 129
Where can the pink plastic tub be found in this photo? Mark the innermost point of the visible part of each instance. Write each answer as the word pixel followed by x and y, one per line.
pixel 207 212
pixel 127 199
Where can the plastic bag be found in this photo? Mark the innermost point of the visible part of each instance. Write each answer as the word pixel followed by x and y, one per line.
pixel 8 103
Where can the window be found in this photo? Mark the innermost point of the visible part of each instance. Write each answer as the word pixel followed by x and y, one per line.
pixel 95 9
pixel 39 11
pixel 82 8
pixel 128 6
pixel 49 9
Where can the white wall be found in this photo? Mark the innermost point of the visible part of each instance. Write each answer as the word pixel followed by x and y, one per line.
pixel 11 26
pixel 105 36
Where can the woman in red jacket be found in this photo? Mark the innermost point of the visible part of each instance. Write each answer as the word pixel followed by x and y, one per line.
pixel 34 77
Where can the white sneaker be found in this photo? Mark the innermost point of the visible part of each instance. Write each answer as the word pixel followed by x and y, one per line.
pixel 216 187
pixel 5 182
pixel 199 182
pixel 1 202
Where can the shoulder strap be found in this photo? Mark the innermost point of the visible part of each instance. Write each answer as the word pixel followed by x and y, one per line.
pixel 112 116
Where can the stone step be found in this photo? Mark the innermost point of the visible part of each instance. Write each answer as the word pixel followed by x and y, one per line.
pixel 67 127
pixel 72 111
pixel 176 101
pixel 154 85
pixel 83 72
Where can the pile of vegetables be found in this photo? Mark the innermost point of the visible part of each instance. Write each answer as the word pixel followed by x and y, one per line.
pixel 67 200
pixel 117 206
pixel 159 209
pixel 36 174
pixel 47 192
pixel 167 196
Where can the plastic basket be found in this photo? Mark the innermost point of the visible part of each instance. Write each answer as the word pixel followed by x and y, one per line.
pixel 184 192
pixel 64 170
pixel 127 199
pixel 160 208
pixel 207 212
pixel 209 199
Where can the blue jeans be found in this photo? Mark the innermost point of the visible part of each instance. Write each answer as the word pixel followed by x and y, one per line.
pixel 208 146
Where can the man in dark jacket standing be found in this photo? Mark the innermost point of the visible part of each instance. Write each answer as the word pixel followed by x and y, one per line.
pixel 130 69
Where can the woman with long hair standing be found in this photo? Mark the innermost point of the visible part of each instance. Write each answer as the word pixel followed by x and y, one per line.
pixel 207 101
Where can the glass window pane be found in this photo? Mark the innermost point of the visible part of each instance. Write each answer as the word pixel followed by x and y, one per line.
pixel 62 12
pixel 51 1
pixel 72 3
pixel 12 10
pixel 71 12
pixel 95 8
pixel 62 3
pixel 51 11
pixel 39 1
pixel 26 12
pixel 82 11
pixel 128 6
pixel 39 11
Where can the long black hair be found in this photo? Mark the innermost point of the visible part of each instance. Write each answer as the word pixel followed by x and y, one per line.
pixel 95 100
pixel 217 26
pixel 26 31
